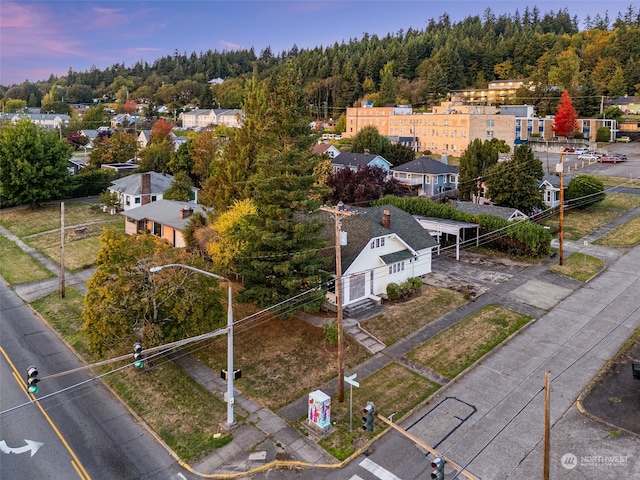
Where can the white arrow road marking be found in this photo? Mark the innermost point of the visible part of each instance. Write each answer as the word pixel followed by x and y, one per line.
pixel 30 446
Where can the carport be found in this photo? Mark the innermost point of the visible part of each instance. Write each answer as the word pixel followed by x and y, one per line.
pixel 438 226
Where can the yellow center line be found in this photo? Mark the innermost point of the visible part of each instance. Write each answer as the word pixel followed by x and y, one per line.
pixel 77 465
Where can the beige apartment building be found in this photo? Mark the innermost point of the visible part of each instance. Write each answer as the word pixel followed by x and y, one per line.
pixel 448 130
pixel 497 92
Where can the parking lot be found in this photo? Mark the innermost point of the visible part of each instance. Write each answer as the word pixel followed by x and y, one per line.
pixel 628 169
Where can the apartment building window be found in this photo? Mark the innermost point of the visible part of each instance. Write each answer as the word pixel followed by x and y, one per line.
pixel 490 123
pixel 446 123
pixel 454 133
pixel 463 134
pixel 489 133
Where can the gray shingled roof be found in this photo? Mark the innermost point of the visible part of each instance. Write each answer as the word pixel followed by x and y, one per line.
pixel 480 209
pixel 166 212
pixel 131 183
pixel 426 166
pixel 355 159
pixel 554 179
pixel 367 224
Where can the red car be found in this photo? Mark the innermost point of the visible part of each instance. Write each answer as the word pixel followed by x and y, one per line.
pixel 569 150
pixel 610 159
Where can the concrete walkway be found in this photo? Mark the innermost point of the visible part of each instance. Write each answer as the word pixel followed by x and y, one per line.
pixel 265 436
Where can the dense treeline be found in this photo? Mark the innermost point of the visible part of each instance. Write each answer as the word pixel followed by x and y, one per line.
pixel 547 49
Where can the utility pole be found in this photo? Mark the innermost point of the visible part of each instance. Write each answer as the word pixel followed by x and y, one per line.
pixel 560 170
pixel 547 428
pixel 338 212
pixel 62 292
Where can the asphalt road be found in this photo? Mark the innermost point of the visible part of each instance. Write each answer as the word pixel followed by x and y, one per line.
pixel 85 432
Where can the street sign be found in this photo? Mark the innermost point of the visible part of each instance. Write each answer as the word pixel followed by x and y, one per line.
pixel 351 380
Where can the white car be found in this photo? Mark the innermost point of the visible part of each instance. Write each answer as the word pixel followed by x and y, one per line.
pixel 588 156
pixel 581 151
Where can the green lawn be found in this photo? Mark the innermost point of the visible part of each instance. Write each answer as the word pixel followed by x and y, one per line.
pixel 18 267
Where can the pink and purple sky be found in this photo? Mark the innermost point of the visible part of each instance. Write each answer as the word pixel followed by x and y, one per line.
pixel 39 38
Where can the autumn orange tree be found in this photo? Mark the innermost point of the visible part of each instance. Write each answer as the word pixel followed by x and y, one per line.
pixel 126 303
pixel 564 123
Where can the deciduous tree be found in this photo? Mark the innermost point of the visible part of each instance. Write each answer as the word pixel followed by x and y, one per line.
pixel 584 191
pixel 33 162
pixel 125 302
pixel 564 123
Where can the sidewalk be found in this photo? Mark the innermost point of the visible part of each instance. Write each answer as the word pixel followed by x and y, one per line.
pixel 267 436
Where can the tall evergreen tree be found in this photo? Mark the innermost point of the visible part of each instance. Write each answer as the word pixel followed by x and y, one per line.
pixel 284 247
pixel 515 183
pixel 475 162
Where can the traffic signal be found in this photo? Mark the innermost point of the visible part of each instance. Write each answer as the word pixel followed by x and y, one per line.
pixel 367 417
pixel 438 468
pixel 32 379
pixel 137 355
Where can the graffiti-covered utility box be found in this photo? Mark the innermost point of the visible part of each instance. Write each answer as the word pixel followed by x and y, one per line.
pixel 319 416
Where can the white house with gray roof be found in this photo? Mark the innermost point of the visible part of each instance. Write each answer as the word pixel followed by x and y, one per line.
pixel 379 245
pixel 143 188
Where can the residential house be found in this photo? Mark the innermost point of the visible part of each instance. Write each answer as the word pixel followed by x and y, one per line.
pixel 378 246
pixel 46 120
pixel 507 213
pixel 75 164
pixel 357 160
pixel 550 188
pixel 202 118
pixel 145 136
pixel 326 149
pixel 140 188
pixel 432 178
pixel 164 218
pixel 126 120
pixel 90 135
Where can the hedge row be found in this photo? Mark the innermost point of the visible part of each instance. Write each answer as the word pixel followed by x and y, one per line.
pixel 518 238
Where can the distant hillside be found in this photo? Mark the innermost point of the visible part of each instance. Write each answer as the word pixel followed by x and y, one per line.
pixel 417 66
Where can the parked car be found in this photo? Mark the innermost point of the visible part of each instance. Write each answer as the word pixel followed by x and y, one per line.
pixel 621 156
pixel 624 139
pixel 610 159
pixel 581 151
pixel 589 156
pixel 568 150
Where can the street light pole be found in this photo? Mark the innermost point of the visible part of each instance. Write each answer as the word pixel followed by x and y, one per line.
pixel 230 373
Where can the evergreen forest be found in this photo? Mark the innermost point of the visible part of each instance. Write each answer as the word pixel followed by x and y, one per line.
pixel 596 59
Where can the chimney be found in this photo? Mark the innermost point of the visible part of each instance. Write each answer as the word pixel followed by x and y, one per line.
pixel 145 183
pixel 386 219
pixel 186 212
pixel 444 159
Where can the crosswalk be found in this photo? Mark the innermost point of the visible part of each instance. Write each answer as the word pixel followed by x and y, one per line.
pixel 377 470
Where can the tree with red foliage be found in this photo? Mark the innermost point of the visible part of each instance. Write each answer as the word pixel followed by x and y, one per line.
pixel 129 106
pixel 363 186
pixel 564 123
pixel 160 131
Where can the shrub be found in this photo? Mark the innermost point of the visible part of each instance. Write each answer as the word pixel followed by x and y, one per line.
pixel 603 134
pixel 393 291
pixel 331 332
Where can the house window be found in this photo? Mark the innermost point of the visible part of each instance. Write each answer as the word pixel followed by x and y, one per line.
pixel 396 267
pixel 137 200
pixel 153 198
pixel 127 200
pixel 157 229
pixel 377 243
